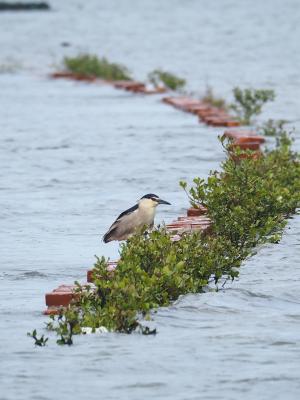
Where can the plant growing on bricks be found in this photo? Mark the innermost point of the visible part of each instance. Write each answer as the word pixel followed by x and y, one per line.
pixel 211 99
pixel 167 79
pixel 153 271
pixel 273 127
pixel 93 66
pixel 248 202
pixel 249 102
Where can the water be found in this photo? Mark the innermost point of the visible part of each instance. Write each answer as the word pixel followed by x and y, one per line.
pixel 72 156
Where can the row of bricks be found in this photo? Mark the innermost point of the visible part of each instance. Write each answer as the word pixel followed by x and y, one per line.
pixel 206 113
pixel 245 140
pixel 131 86
pixel 196 220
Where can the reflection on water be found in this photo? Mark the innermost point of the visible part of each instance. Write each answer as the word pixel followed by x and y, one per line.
pixel 72 156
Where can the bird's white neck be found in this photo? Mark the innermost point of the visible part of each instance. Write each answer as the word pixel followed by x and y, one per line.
pixel 148 208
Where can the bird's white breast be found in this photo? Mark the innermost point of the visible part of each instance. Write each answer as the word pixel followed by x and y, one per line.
pixel 147 215
pixel 147 211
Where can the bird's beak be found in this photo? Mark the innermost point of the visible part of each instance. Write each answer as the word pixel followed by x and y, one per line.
pixel 161 201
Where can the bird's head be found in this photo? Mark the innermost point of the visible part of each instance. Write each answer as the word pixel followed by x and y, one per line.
pixel 151 200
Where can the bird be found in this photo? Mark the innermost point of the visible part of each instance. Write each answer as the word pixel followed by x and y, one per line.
pixel 133 219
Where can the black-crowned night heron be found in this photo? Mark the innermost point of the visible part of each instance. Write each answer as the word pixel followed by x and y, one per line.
pixel 133 219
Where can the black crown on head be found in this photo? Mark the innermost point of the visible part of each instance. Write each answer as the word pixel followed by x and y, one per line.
pixel 150 196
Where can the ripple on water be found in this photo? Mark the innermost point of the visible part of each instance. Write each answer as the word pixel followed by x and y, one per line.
pixel 25 275
pixel 92 142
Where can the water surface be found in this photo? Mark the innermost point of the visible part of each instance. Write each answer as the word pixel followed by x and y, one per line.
pixel 73 155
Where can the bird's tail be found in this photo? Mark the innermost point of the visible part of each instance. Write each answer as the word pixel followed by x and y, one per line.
pixel 108 236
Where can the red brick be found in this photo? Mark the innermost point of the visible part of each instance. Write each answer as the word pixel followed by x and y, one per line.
pixel 221 121
pixel 181 102
pixel 235 133
pixel 65 288
pixel 59 298
pixel 208 112
pixel 243 135
pixel 246 145
pixel 128 85
pixel 89 276
pixel 58 75
pixel 193 212
pixel 192 107
pixel 249 139
pixel 194 220
pixel 157 90
pixel 232 123
pixel 202 110
pixel 254 155
pixel 184 224
pixel 52 310
pixel 167 100
pixel 73 76
pixel 196 108
pixel 111 266
pixel 175 224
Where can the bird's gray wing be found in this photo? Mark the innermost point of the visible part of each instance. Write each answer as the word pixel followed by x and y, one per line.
pixel 122 226
pixel 127 212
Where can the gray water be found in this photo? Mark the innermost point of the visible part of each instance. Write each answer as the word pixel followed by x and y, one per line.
pixel 73 155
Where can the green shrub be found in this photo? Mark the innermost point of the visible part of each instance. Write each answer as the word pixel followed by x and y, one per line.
pixel 163 78
pixel 92 66
pixel 153 271
pixel 273 128
pixel 247 203
pixel 249 102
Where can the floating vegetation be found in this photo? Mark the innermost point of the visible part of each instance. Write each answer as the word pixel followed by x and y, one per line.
pixel 42 341
pixel 20 6
pixel 10 67
pixel 212 100
pixel 162 78
pixel 92 66
pixel 249 102
pixel 248 202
